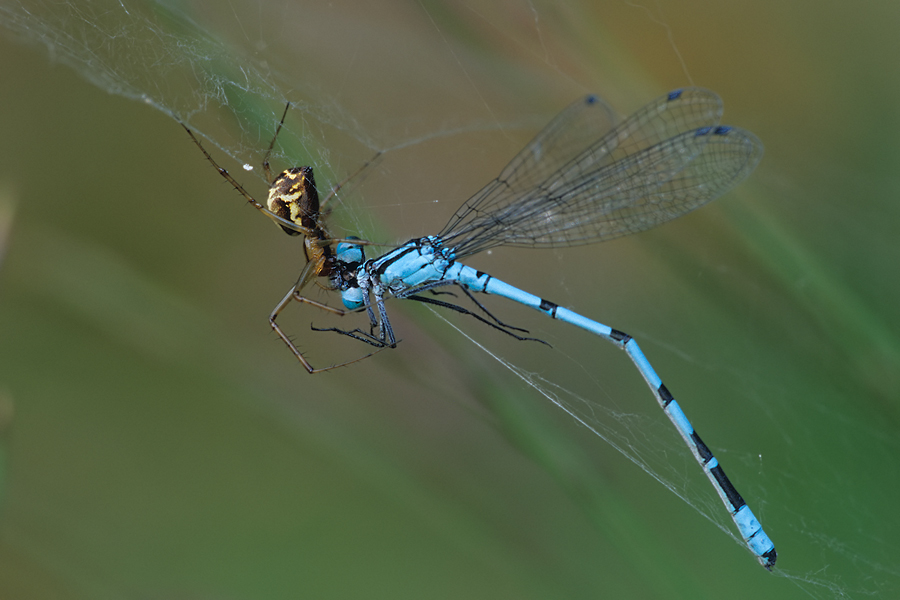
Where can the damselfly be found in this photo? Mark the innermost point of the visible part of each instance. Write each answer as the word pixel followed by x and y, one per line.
pixel 583 179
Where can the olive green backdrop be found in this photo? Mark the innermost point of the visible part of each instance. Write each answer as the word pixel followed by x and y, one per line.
pixel 158 441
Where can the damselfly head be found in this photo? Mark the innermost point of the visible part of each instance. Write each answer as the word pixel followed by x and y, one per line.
pixel 348 258
pixel 347 252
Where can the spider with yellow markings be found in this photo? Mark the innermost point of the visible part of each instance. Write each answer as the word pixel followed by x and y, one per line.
pixel 293 204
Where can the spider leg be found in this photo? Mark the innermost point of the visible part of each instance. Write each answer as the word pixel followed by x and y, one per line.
pixel 362 169
pixel 266 169
pixel 309 272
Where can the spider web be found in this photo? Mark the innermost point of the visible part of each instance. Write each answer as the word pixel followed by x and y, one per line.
pixel 158 54
pixel 228 69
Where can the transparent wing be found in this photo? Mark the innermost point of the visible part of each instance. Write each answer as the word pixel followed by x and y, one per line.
pixel 574 184
pixel 569 134
pixel 643 190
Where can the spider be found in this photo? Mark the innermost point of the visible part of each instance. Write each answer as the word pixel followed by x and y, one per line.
pixel 293 204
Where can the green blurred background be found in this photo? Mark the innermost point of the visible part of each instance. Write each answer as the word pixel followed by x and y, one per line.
pixel 158 441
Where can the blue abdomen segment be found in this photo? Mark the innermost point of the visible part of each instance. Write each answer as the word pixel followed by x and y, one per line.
pixel 751 530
